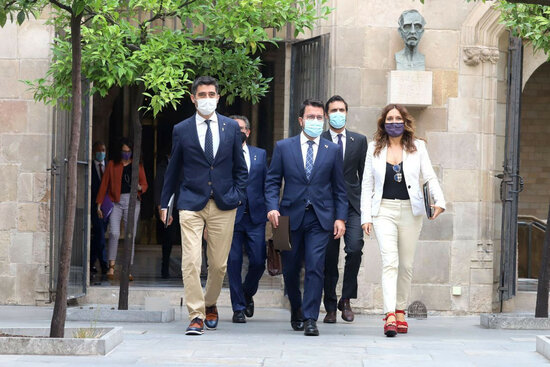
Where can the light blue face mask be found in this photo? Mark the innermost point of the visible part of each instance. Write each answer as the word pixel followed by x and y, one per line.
pixel 337 120
pixel 99 156
pixel 313 128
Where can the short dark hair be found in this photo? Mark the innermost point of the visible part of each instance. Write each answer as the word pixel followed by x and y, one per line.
pixel 116 154
pixel 204 80
pixel 309 102
pixel 335 98
pixel 97 144
pixel 241 117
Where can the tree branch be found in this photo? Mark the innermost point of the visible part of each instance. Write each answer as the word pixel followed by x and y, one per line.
pixel 62 6
pixel 532 2
pixel 166 15
pixel 8 4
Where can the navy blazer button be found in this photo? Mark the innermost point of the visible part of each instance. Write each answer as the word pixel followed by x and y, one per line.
pixel 211 167
pixel 209 183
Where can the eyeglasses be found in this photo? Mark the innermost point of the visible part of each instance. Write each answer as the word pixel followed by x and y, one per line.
pixel 398 177
pixel 315 117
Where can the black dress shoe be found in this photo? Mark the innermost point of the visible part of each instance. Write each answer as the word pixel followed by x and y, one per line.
pixel 238 317
pixel 310 328
pixel 330 318
pixel 249 310
pixel 297 320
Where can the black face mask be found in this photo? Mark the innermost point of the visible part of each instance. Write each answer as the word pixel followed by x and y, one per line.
pixel 243 137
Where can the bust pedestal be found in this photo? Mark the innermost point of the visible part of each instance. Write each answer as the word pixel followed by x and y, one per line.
pixel 410 88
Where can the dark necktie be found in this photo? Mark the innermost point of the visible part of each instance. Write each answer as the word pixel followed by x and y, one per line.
pixel 208 144
pixel 309 159
pixel 100 171
pixel 340 144
pixel 245 161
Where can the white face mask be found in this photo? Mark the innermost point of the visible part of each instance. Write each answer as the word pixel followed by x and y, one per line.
pixel 207 106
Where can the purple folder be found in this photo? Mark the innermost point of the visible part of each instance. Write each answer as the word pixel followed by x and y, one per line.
pixel 106 207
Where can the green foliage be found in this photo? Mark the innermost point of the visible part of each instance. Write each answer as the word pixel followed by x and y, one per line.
pixel 135 41
pixel 531 22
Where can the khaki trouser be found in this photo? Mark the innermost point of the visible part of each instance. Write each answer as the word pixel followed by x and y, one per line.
pixel 397 231
pixel 220 225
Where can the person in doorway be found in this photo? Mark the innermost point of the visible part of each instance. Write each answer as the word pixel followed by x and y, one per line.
pixel 353 148
pixel 392 203
pixel 116 183
pixel 207 155
pixel 99 226
pixel 249 231
pixel 171 234
pixel 315 200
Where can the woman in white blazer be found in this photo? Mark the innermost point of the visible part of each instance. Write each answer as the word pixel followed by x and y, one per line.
pixel 392 202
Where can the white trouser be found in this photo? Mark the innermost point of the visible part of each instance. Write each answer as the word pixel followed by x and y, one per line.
pixel 120 211
pixel 397 231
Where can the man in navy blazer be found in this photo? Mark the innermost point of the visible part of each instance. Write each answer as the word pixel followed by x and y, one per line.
pixel 315 200
pixel 208 165
pixel 354 151
pixel 97 248
pixel 249 231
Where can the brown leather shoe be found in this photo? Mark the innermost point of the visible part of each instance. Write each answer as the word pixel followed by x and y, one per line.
pixel 345 307
pixel 330 318
pixel 196 327
pixel 211 321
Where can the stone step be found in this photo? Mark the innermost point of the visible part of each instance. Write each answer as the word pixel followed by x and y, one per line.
pixel 524 301
pixel 273 297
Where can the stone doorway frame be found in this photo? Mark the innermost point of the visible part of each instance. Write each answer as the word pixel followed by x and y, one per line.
pixel 481 47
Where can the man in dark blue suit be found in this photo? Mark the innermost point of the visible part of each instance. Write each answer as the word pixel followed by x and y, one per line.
pixel 97 248
pixel 354 151
pixel 315 200
pixel 249 231
pixel 208 169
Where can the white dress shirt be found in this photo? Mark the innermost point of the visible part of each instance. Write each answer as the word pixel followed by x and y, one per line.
pixel 304 145
pixel 202 127
pixel 96 164
pixel 246 153
pixel 334 136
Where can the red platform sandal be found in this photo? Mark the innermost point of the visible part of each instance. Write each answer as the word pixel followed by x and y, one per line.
pixel 402 326
pixel 390 327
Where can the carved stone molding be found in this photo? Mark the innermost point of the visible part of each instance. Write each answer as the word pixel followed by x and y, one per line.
pixel 473 55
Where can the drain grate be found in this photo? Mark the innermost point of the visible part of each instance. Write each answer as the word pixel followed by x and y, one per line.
pixel 418 310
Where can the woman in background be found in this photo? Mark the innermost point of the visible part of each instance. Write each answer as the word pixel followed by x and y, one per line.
pixel 117 182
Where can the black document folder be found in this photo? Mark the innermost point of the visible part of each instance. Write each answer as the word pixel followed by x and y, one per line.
pixel 281 235
pixel 428 200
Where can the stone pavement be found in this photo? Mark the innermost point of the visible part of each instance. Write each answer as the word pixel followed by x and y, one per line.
pixel 267 340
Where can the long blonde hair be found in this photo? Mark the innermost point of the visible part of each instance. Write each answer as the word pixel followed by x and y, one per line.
pixel 407 140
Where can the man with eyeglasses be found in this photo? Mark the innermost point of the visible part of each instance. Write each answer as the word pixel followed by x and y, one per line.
pixel 315 200
pixel 354 150
pixel 249 231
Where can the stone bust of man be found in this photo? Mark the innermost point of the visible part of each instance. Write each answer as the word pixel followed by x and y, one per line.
pixel 411 29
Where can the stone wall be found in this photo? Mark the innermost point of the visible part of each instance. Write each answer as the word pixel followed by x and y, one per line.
pixel 25 146
pixel 460 127
pixel 534 143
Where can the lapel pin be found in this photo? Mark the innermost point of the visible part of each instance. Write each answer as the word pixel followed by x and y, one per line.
pixel 254 156
pixel 326 146
pixel 351 138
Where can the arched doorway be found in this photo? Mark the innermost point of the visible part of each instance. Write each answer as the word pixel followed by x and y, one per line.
pixel 535 170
